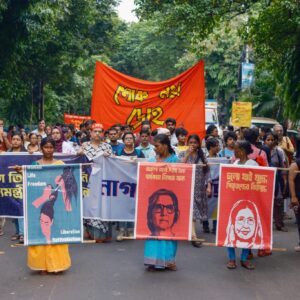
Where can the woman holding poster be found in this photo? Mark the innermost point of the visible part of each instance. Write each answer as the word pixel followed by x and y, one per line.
pixel 48 258
pixel 195 155
pixel 160 254
pixel 241 224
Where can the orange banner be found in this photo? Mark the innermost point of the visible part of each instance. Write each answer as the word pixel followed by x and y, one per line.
pixel 75 120
pixel 118 98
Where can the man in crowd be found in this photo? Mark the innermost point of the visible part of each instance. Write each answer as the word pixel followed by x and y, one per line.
pixel 171 125
pixel 145 146
pixel 284 142
pixel 113 137
pixel 41 128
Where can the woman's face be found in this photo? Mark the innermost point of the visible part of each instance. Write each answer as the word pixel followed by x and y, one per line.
pixel 46 224
pixel 48 150
pixel 269 141
pixel 245 224
pixel 33 139
pixel 163 213
pixel 16 142
pixel 193 143
pixel 48 130
pixel 215 132
pixel 56 135
pixel 128 140
pixel 160 149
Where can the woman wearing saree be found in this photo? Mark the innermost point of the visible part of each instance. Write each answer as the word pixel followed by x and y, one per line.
pixel 160 254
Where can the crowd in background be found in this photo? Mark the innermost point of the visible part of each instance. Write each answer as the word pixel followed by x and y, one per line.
pixel 248 146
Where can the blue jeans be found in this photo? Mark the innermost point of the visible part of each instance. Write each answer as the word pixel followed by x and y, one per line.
pixel 231 254
pixel 19 224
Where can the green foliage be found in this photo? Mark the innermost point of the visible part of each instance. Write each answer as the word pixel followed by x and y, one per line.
pixel 147 53
pixel 52 44
pixel 273 31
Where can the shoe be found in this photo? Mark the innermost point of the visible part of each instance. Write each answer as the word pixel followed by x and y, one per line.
pixel 1 232
pixel 247 265
pixel 120 236
pixel 21 239
pixel 150 269
pixel 196 244
pixel 231 265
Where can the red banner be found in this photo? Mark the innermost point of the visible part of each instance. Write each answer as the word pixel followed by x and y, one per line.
pixel 164 201
pixel 75 120
pixel 245 210
pixel 118 98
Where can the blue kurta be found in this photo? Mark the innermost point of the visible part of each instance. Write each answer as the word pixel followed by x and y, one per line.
pixel 161 253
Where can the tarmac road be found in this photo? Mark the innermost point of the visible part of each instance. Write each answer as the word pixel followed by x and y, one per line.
pixel 115 271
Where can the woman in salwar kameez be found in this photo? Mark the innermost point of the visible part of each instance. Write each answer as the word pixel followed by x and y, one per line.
pixel 160 254
pixel 202 189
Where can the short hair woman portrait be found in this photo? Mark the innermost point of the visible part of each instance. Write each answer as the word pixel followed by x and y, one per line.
pixel 163 213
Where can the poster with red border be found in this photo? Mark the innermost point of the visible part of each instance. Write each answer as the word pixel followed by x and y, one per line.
pixel 164 201
pixel 245 207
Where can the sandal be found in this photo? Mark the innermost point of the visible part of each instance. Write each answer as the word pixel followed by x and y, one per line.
pixel 171 267
pixel 196 244
pixel 231 265
pixel 21 239
pixel 247 265
pixel 14 237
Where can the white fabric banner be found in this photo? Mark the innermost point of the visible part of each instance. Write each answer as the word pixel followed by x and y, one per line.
pixel 112 190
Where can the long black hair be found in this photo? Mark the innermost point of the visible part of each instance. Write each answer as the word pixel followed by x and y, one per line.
pixel 200 153
pixel 164 140
pixel 70 182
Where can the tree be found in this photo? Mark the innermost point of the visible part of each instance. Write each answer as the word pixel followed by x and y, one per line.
pixel 146 53
pixel 49 50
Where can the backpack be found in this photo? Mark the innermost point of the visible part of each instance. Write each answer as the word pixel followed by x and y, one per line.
pixel 260 160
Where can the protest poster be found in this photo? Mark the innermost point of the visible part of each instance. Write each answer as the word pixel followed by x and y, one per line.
pixel 111 191
pixel 11 182
pixel 241 114
pixel 52 201
pixel 164 205
pixel 75 120
pixel 118 98
pixel 245 207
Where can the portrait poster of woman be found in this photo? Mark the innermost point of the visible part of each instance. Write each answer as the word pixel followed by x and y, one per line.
pixel 53 206
pixel 245 207
pixel 164 201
